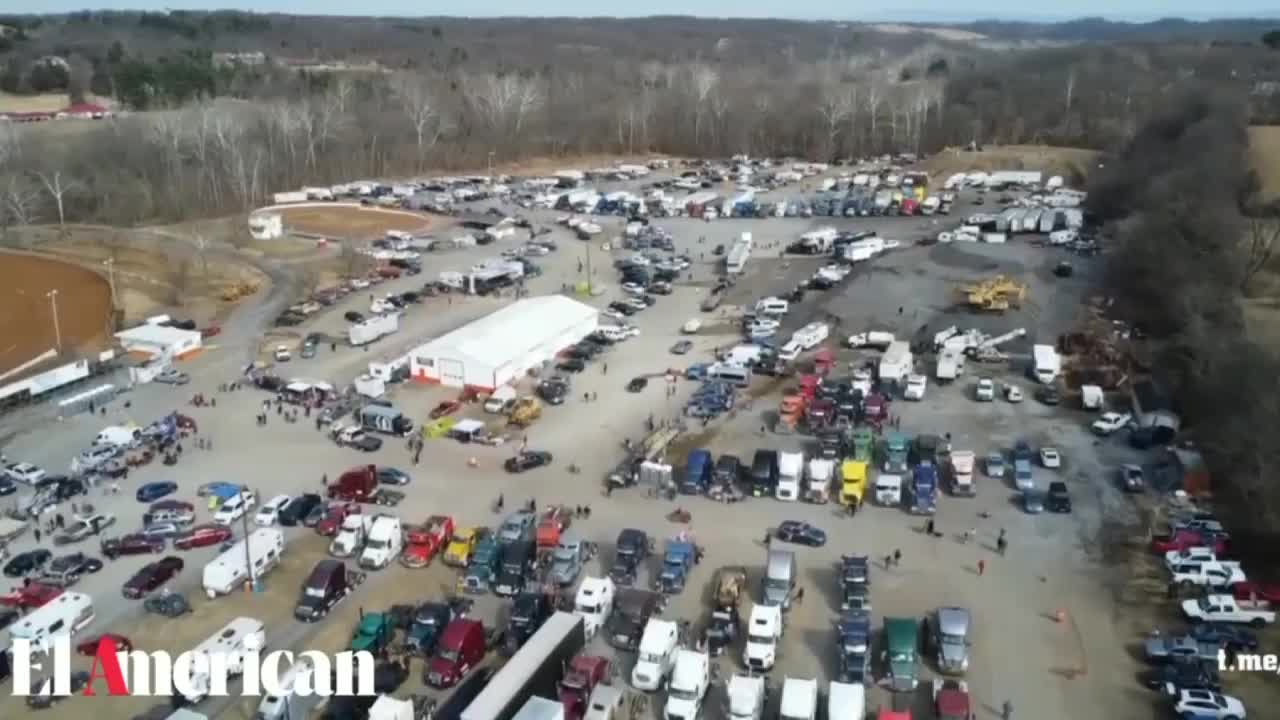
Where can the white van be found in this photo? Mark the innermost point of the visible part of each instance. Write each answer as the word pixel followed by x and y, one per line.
pixel 790 351
pixel 737 374
pixel 68 613
pixel 231 642
pixel 268 514
pixel 230 570
pixel 118 436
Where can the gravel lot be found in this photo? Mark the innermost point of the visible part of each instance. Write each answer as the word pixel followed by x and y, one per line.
pixel 1048 669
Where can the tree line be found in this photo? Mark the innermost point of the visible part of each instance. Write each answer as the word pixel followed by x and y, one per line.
pixel 1179 199
pixel 281 130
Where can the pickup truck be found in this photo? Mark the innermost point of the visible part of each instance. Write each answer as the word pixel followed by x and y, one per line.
pixel 1227 609
pixel 1189 555
pixel 1209 573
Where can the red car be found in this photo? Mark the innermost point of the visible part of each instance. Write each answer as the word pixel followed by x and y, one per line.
pixel 1250 590
pixel 152 576
pixel 132 545
pixel 30 597
pixel 202 536
pixel 448 407
pixel 1186 539
pixel 90 646
pixel 332 521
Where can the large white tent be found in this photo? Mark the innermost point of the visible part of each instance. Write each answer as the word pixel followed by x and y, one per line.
pixel 499 348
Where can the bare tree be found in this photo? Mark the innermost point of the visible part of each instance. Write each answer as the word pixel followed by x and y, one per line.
pixel 1260 245
pixel 422 110
pixel 21 202
pixel 835 107
pixel 703 79
pixel 58 188
pixel 874 100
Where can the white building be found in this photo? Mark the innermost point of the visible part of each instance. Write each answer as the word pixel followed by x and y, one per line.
pixel 499 348
pixel 160 341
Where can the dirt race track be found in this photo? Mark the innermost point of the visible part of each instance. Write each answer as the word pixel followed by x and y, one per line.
pixel 352 222
pixel 26 324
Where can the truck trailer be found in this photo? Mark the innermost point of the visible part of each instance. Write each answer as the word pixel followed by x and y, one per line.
pixel 535 669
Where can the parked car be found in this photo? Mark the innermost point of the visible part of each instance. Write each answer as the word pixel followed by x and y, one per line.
pixel 71 567
pixel 352 316
pixel 151 576
pixel 571 365
pixel 1050 458
pixel 299 508
pixel 1059 499
pixel 233 507
pixel 24 472
pixel 1110 422
pixel 1231 637
pixel 164 530
pixel 1032 501
pixel 681 347
pixel 801 533
pixel 27 563
pixel 172 377
pixel 1205 704
pixel 202 536
pixel 134 544
pixel 1049 395
pixel 635 385
pixel 269 513
pixel 90 647
pixel 527 460
pixel 83 528
pixel 392 476
pixel 154 491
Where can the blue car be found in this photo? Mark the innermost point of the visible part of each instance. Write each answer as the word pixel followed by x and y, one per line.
pixel 156 490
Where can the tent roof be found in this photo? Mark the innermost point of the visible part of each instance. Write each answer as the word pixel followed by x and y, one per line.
pixel 504 336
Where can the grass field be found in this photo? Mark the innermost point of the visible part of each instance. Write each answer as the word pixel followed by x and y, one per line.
pixel 1264 158
pixel 1073 164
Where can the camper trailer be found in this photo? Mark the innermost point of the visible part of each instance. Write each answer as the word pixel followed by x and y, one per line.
pixel 67 613
pixel 231 643
pixel 232 568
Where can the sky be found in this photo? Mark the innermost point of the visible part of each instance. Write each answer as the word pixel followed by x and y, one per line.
pixel 899 10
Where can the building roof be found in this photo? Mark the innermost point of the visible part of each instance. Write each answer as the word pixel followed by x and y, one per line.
pixel 504 336
pixel 157 335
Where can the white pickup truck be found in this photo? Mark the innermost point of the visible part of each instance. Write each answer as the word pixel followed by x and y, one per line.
pixel 1227 609
pixel 1208 573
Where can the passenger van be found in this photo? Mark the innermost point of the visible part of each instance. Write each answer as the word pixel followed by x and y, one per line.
pixel 117 436
pixel 68 613
pixel 779 581
pixel 738 375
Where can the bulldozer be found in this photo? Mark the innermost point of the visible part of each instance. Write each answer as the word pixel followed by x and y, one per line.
pixel 526 410
pixel 996 294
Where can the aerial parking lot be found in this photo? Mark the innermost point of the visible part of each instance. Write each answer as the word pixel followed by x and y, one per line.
pixel 1026 551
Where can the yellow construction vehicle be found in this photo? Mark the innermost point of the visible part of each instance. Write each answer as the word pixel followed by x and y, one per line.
pixel 525 411
pixel 996 294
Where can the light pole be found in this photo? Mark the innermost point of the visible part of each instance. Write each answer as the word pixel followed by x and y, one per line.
pixel 57 331
pixel 491 165
pixel 244 524
pixel 111 279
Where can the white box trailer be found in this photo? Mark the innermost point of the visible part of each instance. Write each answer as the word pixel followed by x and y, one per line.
pixel 897 362
pixel 284 198
pixel 231 569
pixel 372 328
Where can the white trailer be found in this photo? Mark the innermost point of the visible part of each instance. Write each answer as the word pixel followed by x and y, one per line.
pixel 68 613
pixel 231 643
pixel 284 198
pixel 897 362
pixel 231 570
pixel 291 703
pixel 372 328
pixel 799 699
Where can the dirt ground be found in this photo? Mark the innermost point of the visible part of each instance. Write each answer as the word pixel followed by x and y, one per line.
pixel 27 325
pixel 156 270
pixel 1068 162
pixel 1264 146
pixel 352 221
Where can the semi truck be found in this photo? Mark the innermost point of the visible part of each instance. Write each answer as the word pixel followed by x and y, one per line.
pixel 924 489
pixel 897 451
pixel 962 473
pixel 1046 364
pixel 361 485
pixel 535 670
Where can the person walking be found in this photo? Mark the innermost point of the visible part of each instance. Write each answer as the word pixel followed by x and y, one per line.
pixel 37 534
pixel 897 557
pixel 1006 710
pixel 1001 544
pixel 982 567
pixel 929 526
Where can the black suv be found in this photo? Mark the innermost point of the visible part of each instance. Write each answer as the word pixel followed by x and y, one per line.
pixel 1059 500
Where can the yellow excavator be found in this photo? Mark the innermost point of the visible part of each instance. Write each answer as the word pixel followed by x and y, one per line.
pixel 996 294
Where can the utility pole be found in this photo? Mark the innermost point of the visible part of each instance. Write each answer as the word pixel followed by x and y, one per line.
pixel 57 331
pixel 491 166
pixel 244 523
pixel 588 267
pixel 111 280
